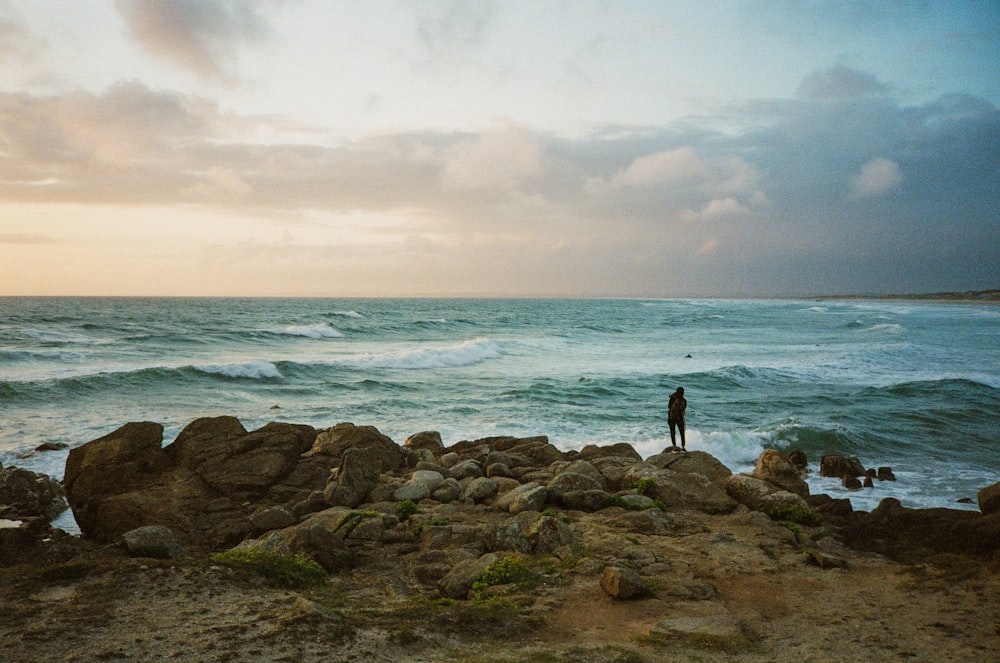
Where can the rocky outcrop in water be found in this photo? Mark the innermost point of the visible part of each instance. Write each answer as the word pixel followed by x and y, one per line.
pixel 27 495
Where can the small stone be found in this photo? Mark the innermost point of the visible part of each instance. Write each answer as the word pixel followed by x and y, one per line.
pixel 622 583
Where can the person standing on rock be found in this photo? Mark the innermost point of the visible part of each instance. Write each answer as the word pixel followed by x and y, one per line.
pixel 675 416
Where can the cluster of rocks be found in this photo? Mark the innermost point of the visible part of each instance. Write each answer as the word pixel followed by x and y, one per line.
pixel 27 495
pixel 339 494
pixel 849 469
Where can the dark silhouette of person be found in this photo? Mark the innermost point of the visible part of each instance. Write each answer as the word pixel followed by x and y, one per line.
pixel 675 415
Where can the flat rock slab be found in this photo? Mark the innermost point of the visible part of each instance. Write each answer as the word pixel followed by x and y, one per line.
pixel 712 626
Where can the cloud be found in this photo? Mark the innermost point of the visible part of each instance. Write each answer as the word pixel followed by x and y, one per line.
pixel 840 83
pixel 628 211
pixel 668 167
pixel 25 238
pixel 499 160
pixel 877 177
pixel 454 29
pixel 200 35
pixel 17 43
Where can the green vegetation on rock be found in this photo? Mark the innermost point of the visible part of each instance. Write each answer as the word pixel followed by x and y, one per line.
pixel 297 570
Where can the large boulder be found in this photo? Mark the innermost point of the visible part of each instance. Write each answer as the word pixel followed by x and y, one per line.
pixel 358 473
pixel 27 494
pixel 681 489
pixel 749 490
pixel 127 459
pixel 774 466
pixel 697 462
pixel 216 482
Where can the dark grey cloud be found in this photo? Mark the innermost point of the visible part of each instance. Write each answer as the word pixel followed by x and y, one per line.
pixel 840 82
pixel 200 35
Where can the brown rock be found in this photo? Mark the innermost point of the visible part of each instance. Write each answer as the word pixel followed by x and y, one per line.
pixel 885 474
pixel 799 459
pixel 774 466
pixel 836 466
pixel 25 494
pixel 430 440
pixel 989 499
pixel 850 483
pixel 623 583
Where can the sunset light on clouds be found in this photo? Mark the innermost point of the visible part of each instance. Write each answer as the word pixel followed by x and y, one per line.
pixel 326 148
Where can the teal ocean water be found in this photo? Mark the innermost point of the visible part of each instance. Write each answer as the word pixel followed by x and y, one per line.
pixel 911 385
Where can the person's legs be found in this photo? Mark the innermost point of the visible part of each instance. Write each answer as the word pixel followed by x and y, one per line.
pixel 680 424
pixel 673 428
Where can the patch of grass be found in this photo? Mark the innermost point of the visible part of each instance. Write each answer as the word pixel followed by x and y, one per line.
pixel 621 502
pixel 793 528
pixel 646 487
pixel 496 619
pixel 944 570
pixel 405 509
pixel 297 570
pixel 793 514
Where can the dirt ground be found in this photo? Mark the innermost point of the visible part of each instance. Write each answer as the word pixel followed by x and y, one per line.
pixel 722 588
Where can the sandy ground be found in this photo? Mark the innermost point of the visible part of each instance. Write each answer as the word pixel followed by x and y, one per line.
pixel 723 588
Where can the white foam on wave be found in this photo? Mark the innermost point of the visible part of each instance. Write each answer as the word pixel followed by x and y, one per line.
pixel 348 314
pixel 450 355
pixel 321 330
pixel 885 327
pixel 251 370
pixel 737 451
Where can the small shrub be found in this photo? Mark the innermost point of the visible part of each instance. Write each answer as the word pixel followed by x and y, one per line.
pixel 793 528
pixel 405 509
pixel 296 570
pixel 646 487
pixel 435 522
pixel 506 570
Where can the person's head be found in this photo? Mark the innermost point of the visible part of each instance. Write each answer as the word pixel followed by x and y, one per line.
pixel 680 391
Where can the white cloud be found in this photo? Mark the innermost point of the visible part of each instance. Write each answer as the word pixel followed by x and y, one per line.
pixel 661 168
pixel 877 177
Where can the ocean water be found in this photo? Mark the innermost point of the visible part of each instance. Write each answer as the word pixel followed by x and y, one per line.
pixel 915 386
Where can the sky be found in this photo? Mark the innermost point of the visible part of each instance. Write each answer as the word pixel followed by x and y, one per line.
pixel 499 148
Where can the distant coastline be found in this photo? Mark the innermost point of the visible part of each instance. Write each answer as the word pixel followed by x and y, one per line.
pixel 981 296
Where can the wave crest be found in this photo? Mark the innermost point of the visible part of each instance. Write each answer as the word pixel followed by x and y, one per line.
pixel 451 355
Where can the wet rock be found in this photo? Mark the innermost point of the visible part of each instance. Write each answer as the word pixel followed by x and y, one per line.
pixel 885 474
pixel 836 466
pixel 850 483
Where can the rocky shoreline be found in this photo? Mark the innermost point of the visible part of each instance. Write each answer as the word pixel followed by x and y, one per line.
pixel 292 543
